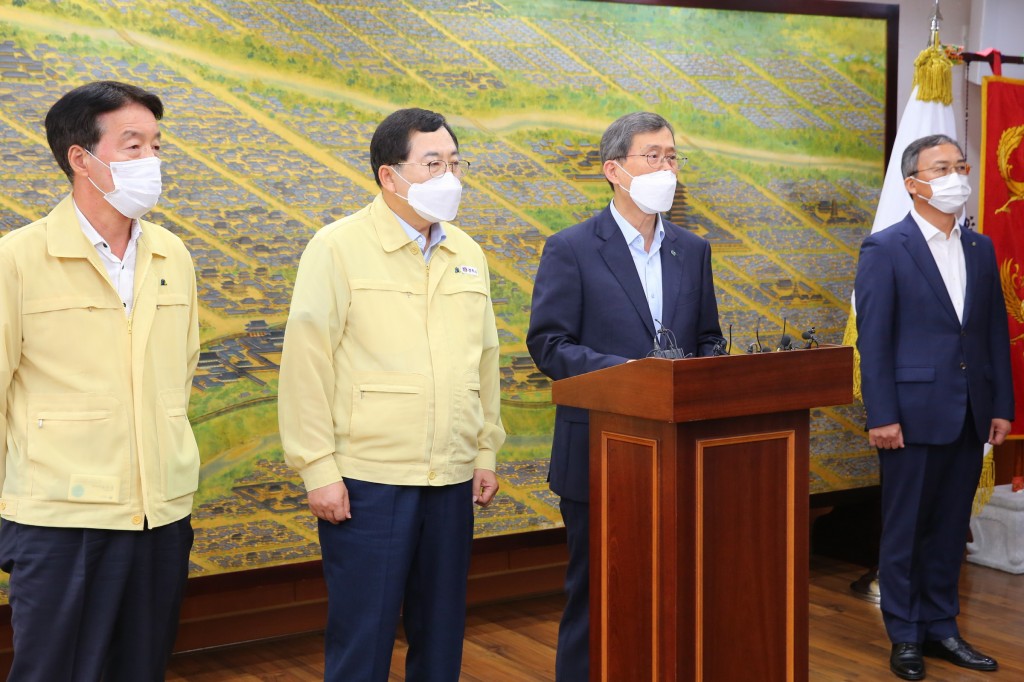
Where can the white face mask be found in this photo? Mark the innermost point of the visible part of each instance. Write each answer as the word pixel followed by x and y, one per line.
pixel 137 185
pixel 949 193
pixel 437 199
pixel 653 192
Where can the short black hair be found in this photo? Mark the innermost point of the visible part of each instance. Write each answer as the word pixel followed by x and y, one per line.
pixel 390 142
pixel 73 119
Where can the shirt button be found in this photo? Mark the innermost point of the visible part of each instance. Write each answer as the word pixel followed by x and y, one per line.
pixel 3 505
pixel 963 365
pixel 431 475
pixel 136 519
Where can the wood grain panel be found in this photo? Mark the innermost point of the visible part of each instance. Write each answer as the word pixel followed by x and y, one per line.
pixel 628 527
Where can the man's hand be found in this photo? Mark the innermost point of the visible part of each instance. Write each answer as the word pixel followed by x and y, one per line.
pixel 330 502
pixel 998 432
pixel 485 485
pixel 888 437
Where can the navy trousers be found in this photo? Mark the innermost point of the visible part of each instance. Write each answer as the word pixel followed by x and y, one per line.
pixel 405 550
pixel 572 658
pixel 90 605
pixel 927 494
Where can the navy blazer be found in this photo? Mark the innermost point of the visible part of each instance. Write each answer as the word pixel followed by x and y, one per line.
pixel 919 363
pixel 589 312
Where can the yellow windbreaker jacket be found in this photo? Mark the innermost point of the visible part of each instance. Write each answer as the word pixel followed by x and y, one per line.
pixel 390 365
pixel 93 424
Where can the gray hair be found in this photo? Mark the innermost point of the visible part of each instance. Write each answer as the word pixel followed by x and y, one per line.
pixel 913 151
pixel 619 136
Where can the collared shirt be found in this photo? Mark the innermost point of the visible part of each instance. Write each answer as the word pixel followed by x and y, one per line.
pixel 437 236
pixel 648 264
pixel 120 271
pixel 949 257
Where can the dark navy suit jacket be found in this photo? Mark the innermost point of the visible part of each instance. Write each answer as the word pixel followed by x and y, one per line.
pixel 589 312
pixel 919 364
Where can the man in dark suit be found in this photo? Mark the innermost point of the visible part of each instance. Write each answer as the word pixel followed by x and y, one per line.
pixel 935 366
pixel 608 291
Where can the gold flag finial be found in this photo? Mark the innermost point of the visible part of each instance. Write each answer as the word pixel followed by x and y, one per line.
pixel 936 21
pixel 933 69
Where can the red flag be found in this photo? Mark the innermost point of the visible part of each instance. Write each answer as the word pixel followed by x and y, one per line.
pixel 1001 207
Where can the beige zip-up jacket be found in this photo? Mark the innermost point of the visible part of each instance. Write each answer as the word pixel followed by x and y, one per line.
pixel 93 424
pixel 390 365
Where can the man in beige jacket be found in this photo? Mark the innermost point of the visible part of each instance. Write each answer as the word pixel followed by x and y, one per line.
pixel 99 338
pixel 389 400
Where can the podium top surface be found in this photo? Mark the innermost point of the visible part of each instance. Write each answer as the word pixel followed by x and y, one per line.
pixel 696 389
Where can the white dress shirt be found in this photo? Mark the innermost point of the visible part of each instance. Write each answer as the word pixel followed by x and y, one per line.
pixel 120 271
pixel 949 257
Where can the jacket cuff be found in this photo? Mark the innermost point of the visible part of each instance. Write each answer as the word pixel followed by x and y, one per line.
pixel 485 459
pixel 322 472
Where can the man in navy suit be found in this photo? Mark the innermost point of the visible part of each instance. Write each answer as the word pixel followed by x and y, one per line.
pixel 608 291
pixel 935 367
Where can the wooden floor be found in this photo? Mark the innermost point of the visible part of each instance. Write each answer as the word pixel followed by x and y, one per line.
pixel 515 642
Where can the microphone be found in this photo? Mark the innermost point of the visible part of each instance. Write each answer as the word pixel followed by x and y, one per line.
pixel 720 347
pixel 785 341
pixel 810 336
pixel 755 347
pixel 671 351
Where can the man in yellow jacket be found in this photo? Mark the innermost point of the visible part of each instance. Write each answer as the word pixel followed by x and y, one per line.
pixel 99 338
pixel 389 401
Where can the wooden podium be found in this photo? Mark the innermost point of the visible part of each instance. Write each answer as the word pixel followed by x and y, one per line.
pixel 699 503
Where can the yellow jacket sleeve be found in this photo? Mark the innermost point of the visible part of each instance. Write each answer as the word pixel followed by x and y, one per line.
pixel 491 435
pixel 316 322
pixel 10 343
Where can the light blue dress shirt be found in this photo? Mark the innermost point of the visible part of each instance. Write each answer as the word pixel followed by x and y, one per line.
pixel 648 264
pixel 437 236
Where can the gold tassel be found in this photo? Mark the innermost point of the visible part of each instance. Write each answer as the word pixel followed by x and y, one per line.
pixel 850 339
pixel 987 484
pixel 933 75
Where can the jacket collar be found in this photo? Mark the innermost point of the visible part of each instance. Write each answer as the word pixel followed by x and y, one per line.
pixel 615 253
pixel 65 238
pixel 917 247
pixel 390 234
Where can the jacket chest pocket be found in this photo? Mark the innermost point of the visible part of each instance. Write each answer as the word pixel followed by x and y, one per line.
pixel 465 304
pixel 46 324
pixel 382 312
pixel 172 316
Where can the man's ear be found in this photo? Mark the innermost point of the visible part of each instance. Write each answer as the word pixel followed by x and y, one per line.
pixel 611 171
pixel 77 160
pixel 910 183
pixel 386 175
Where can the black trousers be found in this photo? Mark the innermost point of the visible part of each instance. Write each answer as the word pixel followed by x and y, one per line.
pixel 927 494
pixel 90 605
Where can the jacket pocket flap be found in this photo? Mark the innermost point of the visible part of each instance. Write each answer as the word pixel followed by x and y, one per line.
pixel 47 305
pixel 172 299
